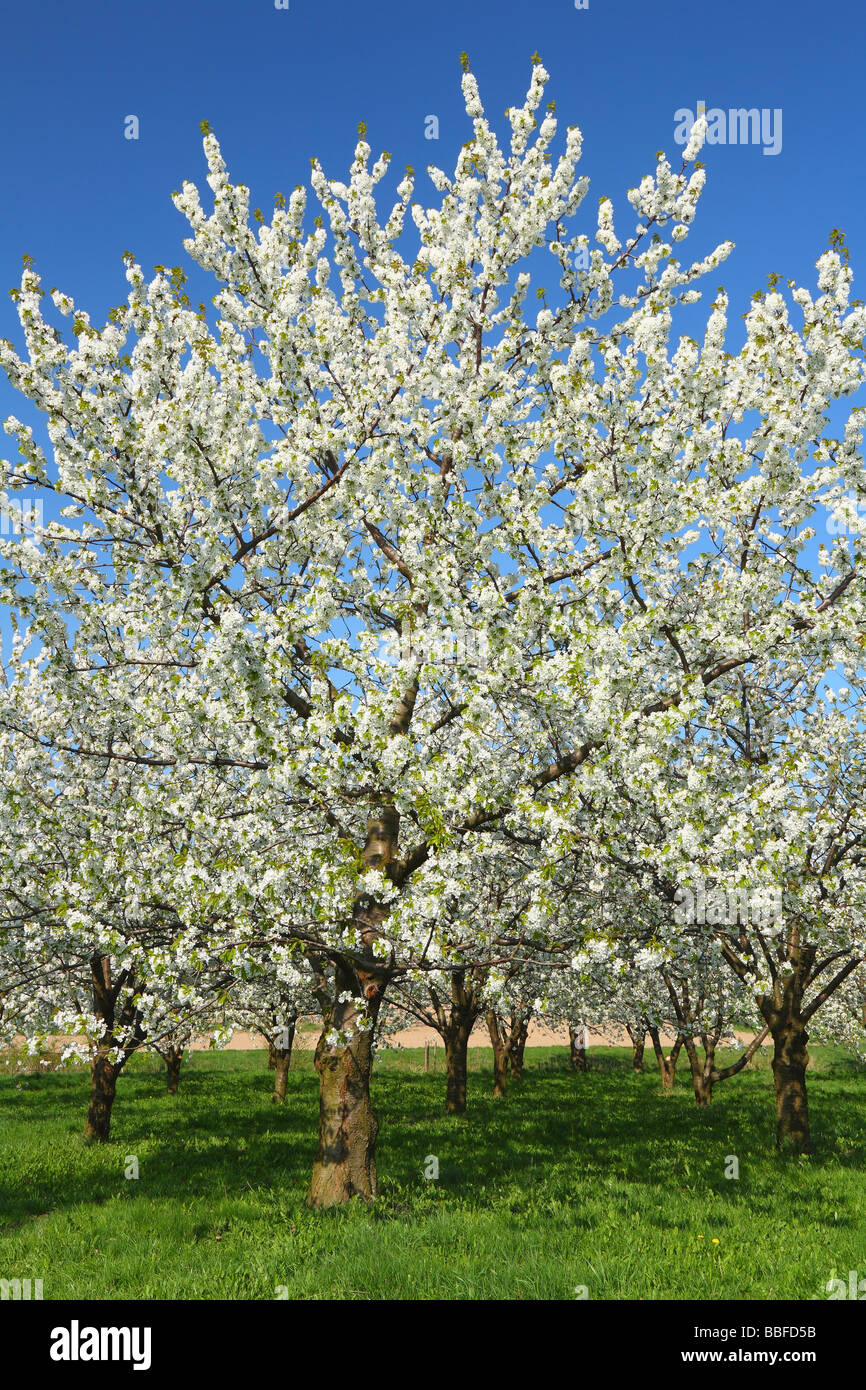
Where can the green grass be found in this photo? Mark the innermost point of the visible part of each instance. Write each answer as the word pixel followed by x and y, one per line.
pixel 595 1180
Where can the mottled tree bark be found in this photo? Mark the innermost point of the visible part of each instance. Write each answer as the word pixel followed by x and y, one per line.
pixel 281 1076
pixel 790 1060
pixel 345 1163
pixel 577 1049
pixel 173 1059
pixel 282 1061
pixel 667 1065
pixel 638 1042
pixel 500 1054
pixel 456 1048
pixel 103 1071
pixel 786 1018
pixel 702 1072
pixel 103 1086
pixel 455 1031
pixel 517 1045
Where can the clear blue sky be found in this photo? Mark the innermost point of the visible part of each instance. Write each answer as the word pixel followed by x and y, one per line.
pixel 281 85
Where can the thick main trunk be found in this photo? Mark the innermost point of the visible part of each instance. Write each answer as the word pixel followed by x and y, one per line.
pixel 790 1059
pixel 173 1059
pixel 103 1072
pixel 272 1056
pixel 669 1070
pixel 500 1055
pixel 456 1047
pixel 577 1049
pixel 703 1091
pixel 345 1164
pixel 281 1073
pixel 783 1013
pixel 518 1046
pixel 103 1084
pixel 455 1021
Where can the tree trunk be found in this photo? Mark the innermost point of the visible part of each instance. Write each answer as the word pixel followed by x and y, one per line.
pixel 669 1071
pixel 454 1022
pixel 500 1054
pixel 519 1034
pixel 577 1048
pixel 345 1163
pixel 272 1056
pixel 638 1041
pixel 281 1072
pixel 103 1072
pixel 282 1062
pixel 103 1084
pixel 790 1059
pixel 783 1012
pixel 667 1065
pixel 456 1046
pixel 173 1059
pixel 702 1072
pixel 703 1087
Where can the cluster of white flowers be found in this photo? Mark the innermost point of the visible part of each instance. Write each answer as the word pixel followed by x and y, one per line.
pixel 214 777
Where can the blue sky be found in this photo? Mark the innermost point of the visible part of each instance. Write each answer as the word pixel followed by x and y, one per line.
pixel 281 85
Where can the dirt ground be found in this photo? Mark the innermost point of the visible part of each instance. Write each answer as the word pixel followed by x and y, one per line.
pixel 418 1036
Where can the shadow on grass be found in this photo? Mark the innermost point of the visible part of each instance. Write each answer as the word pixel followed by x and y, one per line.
pixel 539 1146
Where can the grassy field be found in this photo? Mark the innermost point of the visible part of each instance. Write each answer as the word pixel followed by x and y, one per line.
pixel 597 1180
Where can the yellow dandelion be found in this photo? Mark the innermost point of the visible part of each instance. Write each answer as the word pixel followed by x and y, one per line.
pixel 715 1240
